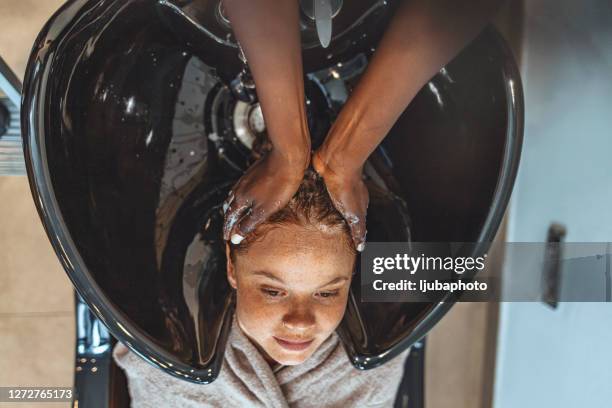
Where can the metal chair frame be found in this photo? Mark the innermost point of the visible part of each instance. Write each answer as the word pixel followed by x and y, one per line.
pixel 11 149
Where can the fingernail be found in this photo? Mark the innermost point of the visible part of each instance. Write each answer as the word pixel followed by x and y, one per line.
pixel 225 207
pixel 361 247
pixel 237 239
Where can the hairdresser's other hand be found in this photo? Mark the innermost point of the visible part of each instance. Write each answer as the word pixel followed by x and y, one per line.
pixel 348 192
pixel 266 187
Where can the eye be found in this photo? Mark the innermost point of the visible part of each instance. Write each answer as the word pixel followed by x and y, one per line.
pixel 273 293
pixel 328 294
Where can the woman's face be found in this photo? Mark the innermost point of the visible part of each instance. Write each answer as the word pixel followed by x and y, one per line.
pixel 292 287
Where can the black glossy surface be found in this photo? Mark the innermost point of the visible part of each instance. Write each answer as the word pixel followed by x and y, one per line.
pixel 130 148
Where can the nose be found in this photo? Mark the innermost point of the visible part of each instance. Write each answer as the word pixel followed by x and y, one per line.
pixel 299 318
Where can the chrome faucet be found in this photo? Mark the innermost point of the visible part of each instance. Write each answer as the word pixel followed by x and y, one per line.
pixel 322 12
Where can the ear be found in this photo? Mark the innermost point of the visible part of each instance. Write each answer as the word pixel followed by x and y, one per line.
pixel 231 272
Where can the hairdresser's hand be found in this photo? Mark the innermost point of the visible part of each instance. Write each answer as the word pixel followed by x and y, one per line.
pixel 265 188
pixel 348 192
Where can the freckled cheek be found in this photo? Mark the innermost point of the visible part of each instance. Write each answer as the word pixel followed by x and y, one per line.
pixel 257 315
pixel 329 316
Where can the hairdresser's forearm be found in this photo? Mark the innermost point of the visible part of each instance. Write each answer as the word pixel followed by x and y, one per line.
pixel 422 37
pixel 268 31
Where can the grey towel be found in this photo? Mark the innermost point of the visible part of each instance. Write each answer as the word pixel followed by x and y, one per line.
pixel 327 379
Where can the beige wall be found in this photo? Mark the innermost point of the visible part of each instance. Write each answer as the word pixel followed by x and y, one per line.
pixel 36 298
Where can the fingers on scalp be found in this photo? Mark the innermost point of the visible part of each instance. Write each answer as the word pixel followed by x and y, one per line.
pixel 234 214
pixel 254 217
pixel 228 202
pixel 357 226
pixel 359 229
pixel 358 232
pixel 340 207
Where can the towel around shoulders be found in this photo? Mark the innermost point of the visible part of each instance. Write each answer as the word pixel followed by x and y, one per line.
pixel 326 379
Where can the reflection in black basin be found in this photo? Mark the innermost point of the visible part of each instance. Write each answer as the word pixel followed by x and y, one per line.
pixel 133 138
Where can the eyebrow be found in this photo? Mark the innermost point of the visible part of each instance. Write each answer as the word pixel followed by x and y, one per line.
pixel 336 280
pixel 268 275
pixel 276 278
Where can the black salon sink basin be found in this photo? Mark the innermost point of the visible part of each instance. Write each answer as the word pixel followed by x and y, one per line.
pixel 133 137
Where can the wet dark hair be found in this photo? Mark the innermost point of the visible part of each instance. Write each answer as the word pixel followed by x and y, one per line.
pixel 310 207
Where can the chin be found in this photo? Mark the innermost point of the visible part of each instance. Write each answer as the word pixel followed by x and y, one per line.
pixel 292 360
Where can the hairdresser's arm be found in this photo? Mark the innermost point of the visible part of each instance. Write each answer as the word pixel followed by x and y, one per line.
pixel 268 31
pixel 423 36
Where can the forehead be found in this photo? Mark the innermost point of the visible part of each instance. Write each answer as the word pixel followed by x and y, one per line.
pixel 294 253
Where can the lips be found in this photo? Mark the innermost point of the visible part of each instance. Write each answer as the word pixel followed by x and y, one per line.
pixel 293 345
